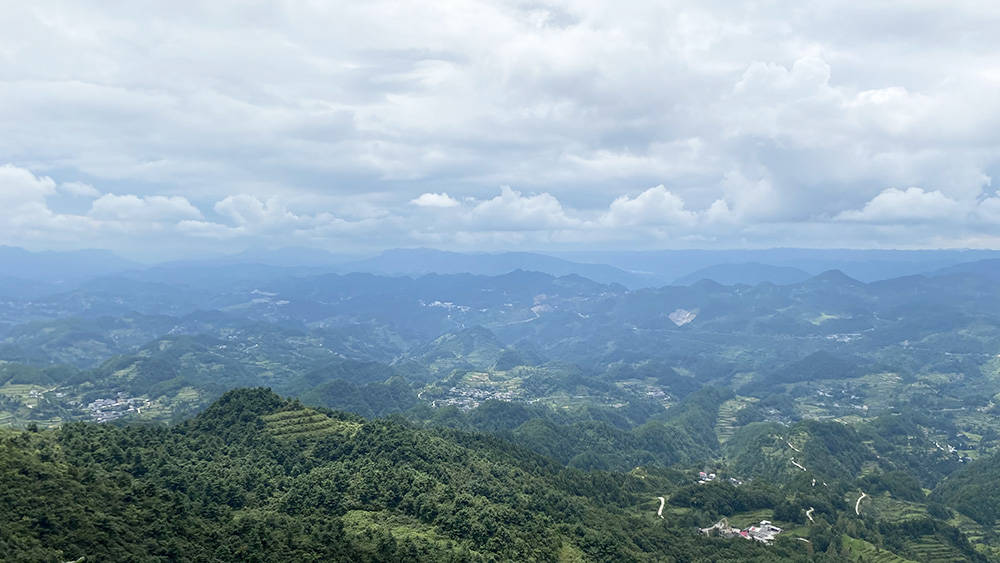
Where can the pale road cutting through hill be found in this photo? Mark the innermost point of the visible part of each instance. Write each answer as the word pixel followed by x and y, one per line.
pixel 660 511
pixel 857 505
pixel 797 465
pixel 809 514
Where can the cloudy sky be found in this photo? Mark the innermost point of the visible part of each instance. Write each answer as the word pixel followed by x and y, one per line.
pixel 163 129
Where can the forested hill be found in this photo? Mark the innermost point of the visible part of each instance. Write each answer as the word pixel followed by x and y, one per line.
pixel 259 478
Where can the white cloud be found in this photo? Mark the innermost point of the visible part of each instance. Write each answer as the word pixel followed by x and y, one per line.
pixel 249 210
pixel 79 189
pixel 513 211
pixel 208 230
pixel 655 206
pixel 755 115
pixel 435 200
pixel 25 217
pixel 807 78
pixel 132 208
pixel 747 211
pixel 904 206
pixel 272 220
pixel 18 186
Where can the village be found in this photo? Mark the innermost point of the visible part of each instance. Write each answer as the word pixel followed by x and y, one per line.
pixel 704 477
pixel 467 398
pixel 764 532
pixel 106 410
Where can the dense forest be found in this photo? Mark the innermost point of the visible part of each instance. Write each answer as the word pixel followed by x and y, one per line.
pixel 259 478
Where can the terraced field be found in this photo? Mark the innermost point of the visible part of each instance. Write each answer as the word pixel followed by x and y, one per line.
pixel 972 529
pixel 725 425
pixel 307 423
pixel 860 550
pixel 22 392
pixel 889 509
pixel 931 550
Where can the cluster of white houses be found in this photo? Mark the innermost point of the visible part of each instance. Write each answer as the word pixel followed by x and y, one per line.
pixel 765 532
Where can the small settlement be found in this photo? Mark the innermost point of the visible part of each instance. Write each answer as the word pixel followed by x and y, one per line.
pixel 765 532
pixel 106 410
pixel 704 477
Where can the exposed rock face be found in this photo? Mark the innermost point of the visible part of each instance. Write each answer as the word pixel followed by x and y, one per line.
pixel 681 317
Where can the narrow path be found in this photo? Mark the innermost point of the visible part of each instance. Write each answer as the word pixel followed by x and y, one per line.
pixel 793 447
pixel 659 512
pixel 535 318
pixel 797 465
pixel 857 505
pixel 809 514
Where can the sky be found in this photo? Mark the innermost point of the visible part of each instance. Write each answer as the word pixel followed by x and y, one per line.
pixel 172 129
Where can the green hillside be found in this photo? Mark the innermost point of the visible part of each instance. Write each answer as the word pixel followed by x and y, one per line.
pixel 259 478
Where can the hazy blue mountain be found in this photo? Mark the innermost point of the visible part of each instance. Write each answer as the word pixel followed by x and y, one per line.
pixel 210 276
pixel 60 268
pixel 21 288
pixel 864 265
pixel 293 256
pixel 419 261
pixel 750 273
pixel 989 268
pixel 832 277
pixel 285 257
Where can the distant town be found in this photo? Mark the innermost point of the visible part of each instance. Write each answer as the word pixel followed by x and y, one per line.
pixel 106 410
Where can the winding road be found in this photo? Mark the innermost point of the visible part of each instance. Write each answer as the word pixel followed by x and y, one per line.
pixel 659 512
pixel 809 514
pixel 797 465
pixel 857 505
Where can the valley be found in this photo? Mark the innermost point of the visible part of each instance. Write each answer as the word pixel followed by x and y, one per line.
pixel 837 411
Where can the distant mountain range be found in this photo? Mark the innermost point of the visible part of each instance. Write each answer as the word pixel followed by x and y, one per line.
pixel 989 268
pixel 864 265
pixel 60 267
pixel 419 261
pixel 801 397
pixel 24 274
pixel 751 273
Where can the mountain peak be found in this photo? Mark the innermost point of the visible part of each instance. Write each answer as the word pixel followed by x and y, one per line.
pixel 834 277
pixel 239 406
pixel 749 273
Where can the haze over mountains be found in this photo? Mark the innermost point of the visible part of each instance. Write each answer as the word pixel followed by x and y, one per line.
pixel 632 269
pixel 547 401
pixel 560 281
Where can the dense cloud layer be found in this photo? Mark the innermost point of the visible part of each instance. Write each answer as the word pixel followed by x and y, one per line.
pixel 485 124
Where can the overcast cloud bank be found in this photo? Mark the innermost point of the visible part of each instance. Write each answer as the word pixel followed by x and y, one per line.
pixel 481 125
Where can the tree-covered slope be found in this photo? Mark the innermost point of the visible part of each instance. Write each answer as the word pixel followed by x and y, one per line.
pixel 259 478
pixel 973 490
